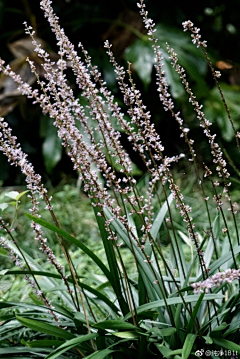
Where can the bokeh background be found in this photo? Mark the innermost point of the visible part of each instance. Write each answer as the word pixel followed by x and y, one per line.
pixel 92 22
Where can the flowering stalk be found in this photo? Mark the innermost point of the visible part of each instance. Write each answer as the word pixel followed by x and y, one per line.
pixel 216 150
pixel 78 149
pixel 17 157
pixel 80 159
pixel 168 105
pixel 196 39
pixel 89 91
pixel 144 140
pixel 216 280
pixel 19 263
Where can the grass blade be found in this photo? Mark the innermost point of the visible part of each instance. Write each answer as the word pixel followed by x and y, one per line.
pixel 194 313
pixel 188 344
pixel 160 217
pixel 73 240
pixel 226 344
pixel 101 354
pixel 45 328
pixel 70 344
pixel 112 262
pixel 174 301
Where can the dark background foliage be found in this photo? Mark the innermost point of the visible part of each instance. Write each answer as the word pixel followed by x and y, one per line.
pixel 91 22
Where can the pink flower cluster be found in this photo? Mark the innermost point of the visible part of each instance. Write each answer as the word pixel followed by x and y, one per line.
pixel 216 280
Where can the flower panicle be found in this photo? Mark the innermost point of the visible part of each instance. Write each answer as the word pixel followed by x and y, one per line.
pixel 228 276
pixel 196 37
pixel 168 105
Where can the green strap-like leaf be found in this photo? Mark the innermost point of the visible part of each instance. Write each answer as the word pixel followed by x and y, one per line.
pixel 194 313
pixel 23 350
pixel 41 343
pixel 217 263
pixel 127 335
pixel 95 292
pixel 73 240
pixel 40 309
pixel 166 352
pixel 45 328
pixel 48 282
pixel 188 344
pixel 115 325
pixel 173 301
pixel 147 275
pixel 160 217
pixel 226 344
pixel 101 354
pixel 70 344
pixel 179 258
pixel 112 262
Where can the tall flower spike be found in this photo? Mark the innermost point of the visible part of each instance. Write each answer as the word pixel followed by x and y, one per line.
pixel 168 105
pixel 216 280
pixel 216 151
pixel 188 25
pixel 104 126
pixel 5 243
pixel 90 92
pixel 196 37
pixel 15 155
